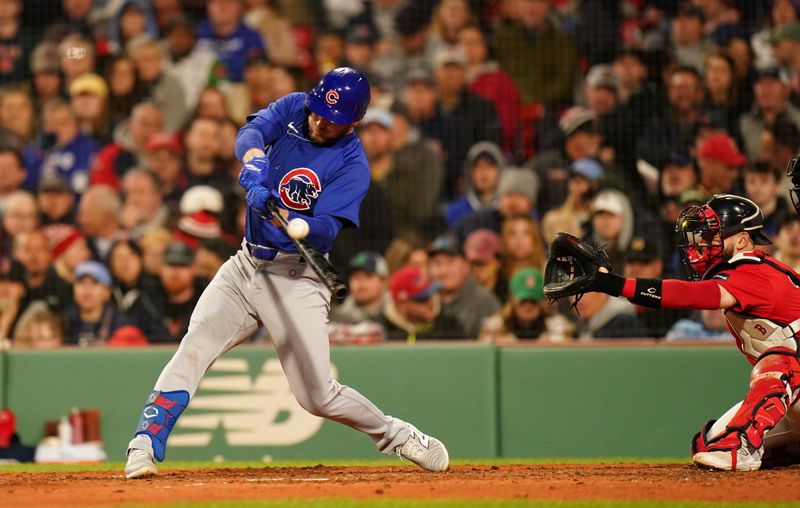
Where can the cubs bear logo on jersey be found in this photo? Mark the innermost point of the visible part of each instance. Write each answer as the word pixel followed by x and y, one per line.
pixel 299 188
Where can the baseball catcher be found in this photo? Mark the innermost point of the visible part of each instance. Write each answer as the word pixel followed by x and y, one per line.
pixel 760 297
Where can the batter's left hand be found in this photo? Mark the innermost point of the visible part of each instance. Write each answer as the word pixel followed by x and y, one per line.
pixel 257 198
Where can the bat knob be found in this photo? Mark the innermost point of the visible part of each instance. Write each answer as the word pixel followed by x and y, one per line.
pixel 339 291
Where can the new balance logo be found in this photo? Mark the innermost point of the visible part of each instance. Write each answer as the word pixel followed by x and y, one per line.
pixel 419 436
pixel 249 412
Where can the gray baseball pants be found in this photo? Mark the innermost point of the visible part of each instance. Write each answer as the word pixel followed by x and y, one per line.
pixel 289 299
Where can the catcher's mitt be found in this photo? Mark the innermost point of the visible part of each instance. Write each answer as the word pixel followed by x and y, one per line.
pixel 572 267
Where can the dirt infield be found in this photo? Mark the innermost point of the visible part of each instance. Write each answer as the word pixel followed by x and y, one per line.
pixel 566 482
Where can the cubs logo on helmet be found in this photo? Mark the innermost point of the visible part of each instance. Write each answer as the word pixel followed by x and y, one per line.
pixel 341 96
pixel 299 188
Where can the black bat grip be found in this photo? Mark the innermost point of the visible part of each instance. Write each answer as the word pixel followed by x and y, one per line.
pixel 315 259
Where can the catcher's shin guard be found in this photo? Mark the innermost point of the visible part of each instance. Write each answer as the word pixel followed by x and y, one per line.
pixel 159 416
pixel 772 382
pixel 700 440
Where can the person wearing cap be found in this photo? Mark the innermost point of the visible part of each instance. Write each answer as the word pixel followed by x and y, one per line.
pixel 12 173
pixel 190 62
pixel 689 42
pixel 128 147
pixel 781 13
pixel 413 311
pixel 226 34
pixel 644 259
pixel 580 139
pixel 463 297
pixel 77 56
pixel 516 193
pixel 787 242
pixel 785 47
pixel 524 314
pixel 73 151
pixel 487 79
pixel 482 168
pixel 677 176
pixel 89 99
pixel 45 74
pixel 675 129
pixel 719 161
pixel 92 319
pixel 612 224
pixel 68 249
pixel 538 52
pixel 408 177
pixel 583 183
pixel 368 282
pixel 600 90
pixel 178 290
pixel 482 250
pixel 460 118
pixel 771 104
pixel 359 46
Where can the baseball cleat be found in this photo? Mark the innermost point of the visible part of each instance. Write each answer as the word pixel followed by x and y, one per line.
pixel 140 464
pixel 425 451
pixel 740 459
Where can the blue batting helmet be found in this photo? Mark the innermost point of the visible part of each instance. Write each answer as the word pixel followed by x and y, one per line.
pixel 341 96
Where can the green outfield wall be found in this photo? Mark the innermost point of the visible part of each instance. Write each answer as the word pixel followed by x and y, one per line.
pixel 481 400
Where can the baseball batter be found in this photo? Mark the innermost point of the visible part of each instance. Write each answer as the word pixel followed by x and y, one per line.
pixel 314 168
pixel 760 297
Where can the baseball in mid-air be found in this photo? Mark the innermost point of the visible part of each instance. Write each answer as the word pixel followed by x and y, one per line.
pixel 297 229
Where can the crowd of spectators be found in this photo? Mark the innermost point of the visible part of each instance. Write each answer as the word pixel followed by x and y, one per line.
pixel 493 125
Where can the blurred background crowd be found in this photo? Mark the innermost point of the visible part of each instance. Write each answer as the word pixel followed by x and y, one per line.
pixel 493 125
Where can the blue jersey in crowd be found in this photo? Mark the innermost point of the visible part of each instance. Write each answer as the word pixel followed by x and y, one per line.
pixel 71 162
pixel 233 50
pixel 313 180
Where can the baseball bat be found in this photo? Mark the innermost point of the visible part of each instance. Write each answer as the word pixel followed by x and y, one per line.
pixel 315 259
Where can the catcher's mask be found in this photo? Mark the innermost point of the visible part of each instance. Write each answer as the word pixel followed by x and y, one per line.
pixel 704 228
pixel 793 172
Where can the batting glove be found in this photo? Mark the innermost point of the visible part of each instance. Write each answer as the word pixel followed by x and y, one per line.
pixel 253 172
pixel 257 198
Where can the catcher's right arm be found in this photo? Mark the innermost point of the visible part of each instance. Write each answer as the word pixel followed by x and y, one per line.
pixel 573 269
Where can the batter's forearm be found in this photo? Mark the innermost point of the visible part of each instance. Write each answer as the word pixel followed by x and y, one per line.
pixel 322 231
pixel 249 144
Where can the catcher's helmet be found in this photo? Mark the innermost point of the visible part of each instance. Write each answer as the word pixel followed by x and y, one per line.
pixel 341 96
pixel 705 227
pixel 793 172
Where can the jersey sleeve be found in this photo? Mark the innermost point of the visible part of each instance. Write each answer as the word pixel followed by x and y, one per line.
pixel 753 294
pixel 343 194
pixel 264 127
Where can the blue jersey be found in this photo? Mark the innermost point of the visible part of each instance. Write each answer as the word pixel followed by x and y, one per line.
pixel 313 180
pixel 70 162
pixel 233 50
